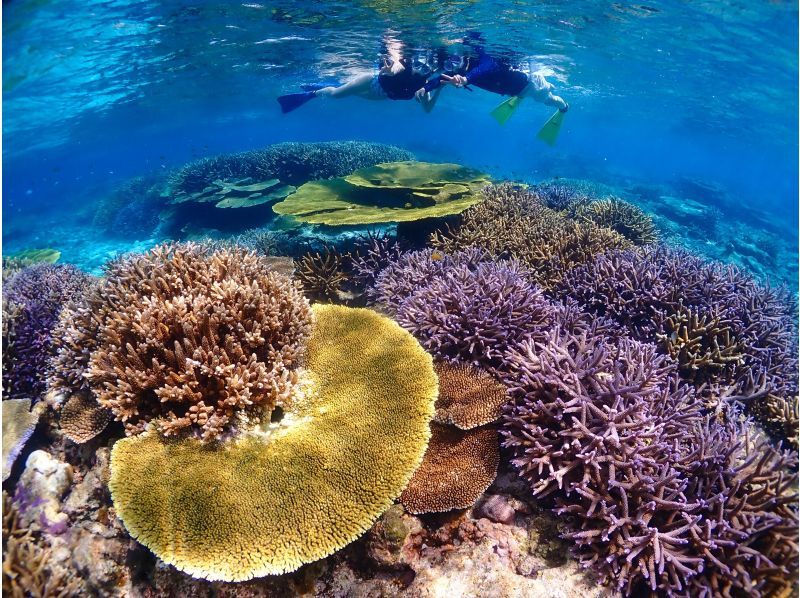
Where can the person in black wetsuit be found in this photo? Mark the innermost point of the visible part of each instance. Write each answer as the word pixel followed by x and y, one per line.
pixel 398 79
pixel 494 75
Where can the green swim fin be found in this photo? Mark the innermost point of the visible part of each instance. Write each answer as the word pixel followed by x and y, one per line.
pixel 504 111
pixel 549 132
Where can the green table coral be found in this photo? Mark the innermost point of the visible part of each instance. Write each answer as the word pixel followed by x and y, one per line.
pixel 391 192
pixel 275 499
pixel 237 194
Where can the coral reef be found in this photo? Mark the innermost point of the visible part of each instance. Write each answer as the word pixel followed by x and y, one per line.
pixel 81 418
pixel 392 192
pixel 371 254
pixel 458 467
pixel 311 484
pixel 620 216
pixel 473 313
pixel 242 193
pixel 657 496
pixel 564 195
pixel 513 222
pixel 14 263
pixel 37 294
pixel 645 291
pixel 198 340
pixel 19 422
pixel 294 163
pixel 702 346
pixel 131 210
pixel 322 274
pixel 468 397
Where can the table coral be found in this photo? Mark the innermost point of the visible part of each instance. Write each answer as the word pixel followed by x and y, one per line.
pixel 468 397
pixel 198 339
pixel 19 422
pixel 458 467
pixel 392 192
pixel 269 502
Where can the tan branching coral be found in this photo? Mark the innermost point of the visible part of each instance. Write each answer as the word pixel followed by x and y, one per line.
pixel 513 222
pixel 199 340
pixel 780 415
pixel 702 345
pixel 322 274
pixel 81 418
pixel 458 467
pixel 268 502
pixel 28 569
pixel 625 218
pixel 468 397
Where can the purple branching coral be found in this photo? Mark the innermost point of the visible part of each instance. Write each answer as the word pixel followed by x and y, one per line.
pixel 34 297
pixel 372 253
pixel 473 312
pixel 414 270
pixel 656 495
pixel 709 316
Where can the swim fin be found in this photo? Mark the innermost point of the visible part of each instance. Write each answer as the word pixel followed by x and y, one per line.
pixel 549 132
pixel 505 110
pixel 294 100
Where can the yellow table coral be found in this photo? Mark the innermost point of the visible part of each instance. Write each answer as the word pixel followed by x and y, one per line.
pixel 273 500
pixel 391 192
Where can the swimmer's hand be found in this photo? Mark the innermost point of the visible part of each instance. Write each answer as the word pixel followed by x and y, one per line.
pixel 457 80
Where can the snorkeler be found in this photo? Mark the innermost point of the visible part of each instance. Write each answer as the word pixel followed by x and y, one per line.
pixel 398 79
pixel 494 75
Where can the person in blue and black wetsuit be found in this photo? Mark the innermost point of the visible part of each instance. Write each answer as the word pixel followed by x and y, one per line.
pixel 494 75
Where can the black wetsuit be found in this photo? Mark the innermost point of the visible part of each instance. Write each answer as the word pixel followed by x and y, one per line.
pixel 403 85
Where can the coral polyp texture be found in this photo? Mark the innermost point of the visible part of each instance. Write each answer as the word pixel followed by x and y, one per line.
pixel 625 218
pixel 196 339
pixel 457 469
pixel 33 299
pixel 745 334
pixel 468 397
pixel 270 501
pixel 513 222
pixel 657 495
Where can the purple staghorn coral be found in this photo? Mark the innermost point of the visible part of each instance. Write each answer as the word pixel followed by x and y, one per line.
pixel 473 312
pixel 372 253
pixel 37 293
pixel 656 496
pixel 414 270
pixel 648 291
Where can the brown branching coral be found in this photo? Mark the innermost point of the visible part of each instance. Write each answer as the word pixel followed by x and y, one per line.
pixel 703 345
pixel 197 339
pixel 513 222
pixel 622 217
pixel 458 467
pixel 322 274
pixel 468 397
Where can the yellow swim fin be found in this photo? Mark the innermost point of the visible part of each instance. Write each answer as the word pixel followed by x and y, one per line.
pixel 549 132
pixel 504 111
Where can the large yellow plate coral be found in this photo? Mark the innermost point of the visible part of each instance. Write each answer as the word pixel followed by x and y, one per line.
pixel 270 502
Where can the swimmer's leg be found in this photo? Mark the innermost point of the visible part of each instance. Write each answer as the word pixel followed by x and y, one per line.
pixel 358 86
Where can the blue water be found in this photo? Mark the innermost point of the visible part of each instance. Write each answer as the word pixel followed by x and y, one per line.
pixel 660 93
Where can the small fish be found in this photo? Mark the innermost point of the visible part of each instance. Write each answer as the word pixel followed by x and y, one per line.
pixel 437 256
